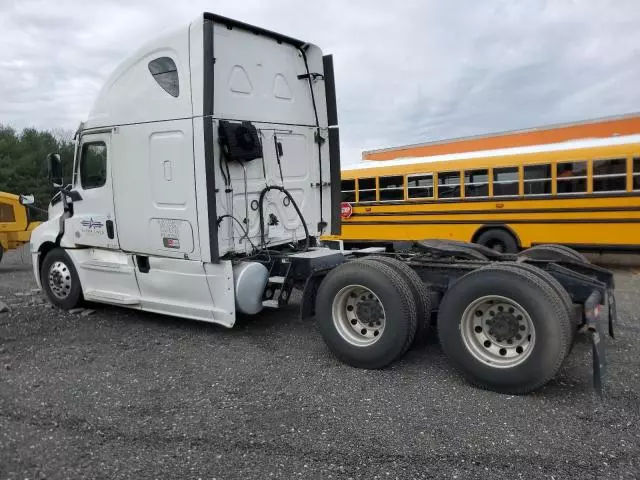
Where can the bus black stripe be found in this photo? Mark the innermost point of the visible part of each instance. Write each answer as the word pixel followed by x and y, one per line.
pixel 505 221
pixel 397 213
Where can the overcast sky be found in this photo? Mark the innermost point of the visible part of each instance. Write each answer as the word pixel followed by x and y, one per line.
pixel 407 71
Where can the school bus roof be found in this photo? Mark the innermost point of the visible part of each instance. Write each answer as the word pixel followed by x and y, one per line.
pixel 621 125
pixel 502 152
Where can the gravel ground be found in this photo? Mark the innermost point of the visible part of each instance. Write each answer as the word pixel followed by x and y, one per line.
pixel 122 394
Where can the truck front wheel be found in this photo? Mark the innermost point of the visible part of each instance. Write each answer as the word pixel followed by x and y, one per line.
pixel 60 280
pixel 366 314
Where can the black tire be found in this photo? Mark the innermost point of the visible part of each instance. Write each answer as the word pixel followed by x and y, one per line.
pixel 548 314
pixel 1 253
pixel 420 291
pixel 498 239
pixel 554 252
pixel 553 283
pixel 67 272
pixel 396 300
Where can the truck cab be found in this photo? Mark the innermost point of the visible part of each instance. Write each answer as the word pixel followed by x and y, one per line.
pixel 209 144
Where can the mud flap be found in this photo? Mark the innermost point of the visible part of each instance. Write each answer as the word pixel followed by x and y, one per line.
pixel 595 324
pixel 613 312
pixel 308 302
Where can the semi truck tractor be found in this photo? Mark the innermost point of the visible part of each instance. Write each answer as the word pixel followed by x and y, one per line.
pixel 204 176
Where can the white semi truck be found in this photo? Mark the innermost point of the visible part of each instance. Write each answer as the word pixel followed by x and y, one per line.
pixel 203 178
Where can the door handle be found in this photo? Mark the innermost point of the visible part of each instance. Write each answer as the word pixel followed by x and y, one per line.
pixel 110 231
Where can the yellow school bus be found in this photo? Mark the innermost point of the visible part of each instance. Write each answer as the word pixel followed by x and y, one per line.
pixel 15 225
pixel 583 193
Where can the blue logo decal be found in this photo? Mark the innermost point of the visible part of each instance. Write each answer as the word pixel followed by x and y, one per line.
pixel 91 224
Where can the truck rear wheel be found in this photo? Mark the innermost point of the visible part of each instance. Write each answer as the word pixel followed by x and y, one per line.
pixel 420 291
pixel 506 330
pixel 366 314
pixel 554 252
pixel 60 280
pixel 555 285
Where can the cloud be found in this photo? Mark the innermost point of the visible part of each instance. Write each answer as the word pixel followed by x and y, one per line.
pixel 406 72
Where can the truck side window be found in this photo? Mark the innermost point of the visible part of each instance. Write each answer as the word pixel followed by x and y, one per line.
pixel 165 72
pixel 93 165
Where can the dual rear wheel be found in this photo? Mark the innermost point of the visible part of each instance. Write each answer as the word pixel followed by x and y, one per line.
pixel 507 327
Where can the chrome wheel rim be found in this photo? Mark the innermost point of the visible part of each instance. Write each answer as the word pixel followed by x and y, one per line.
pixel 60 280
pixel 498 331
pixel 358 315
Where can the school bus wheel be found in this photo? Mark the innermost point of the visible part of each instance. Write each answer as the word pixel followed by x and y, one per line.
pixel 498 239
pixel 366 314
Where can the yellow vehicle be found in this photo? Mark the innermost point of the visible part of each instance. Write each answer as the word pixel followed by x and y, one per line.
pixel 584 193
pixel 15 226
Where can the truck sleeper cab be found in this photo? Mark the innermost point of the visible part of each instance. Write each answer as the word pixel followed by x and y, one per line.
pixel 203 178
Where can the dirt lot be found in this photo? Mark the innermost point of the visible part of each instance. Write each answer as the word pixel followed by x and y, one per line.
pixel 123 394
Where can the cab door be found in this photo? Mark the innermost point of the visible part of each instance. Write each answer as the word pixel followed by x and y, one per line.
pixel 93 222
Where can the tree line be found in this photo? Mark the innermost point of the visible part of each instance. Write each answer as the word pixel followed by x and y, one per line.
pixel 23 168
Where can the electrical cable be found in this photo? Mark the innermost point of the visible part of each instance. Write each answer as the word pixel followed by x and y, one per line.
pixel 295 205
pixel 246 234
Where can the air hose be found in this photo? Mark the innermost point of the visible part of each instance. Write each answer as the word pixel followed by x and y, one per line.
pixel 295 205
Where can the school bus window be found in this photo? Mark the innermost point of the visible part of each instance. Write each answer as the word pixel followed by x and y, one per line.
pixel 391 188
pixel 572 177
pixel 610 175
pixel 636 173
pixel 476 183
pixel 6 213
pixel 366 189
pixel 420 186
pixel 449 185
pixel 505 181
pixel 348 188
pixel 537 179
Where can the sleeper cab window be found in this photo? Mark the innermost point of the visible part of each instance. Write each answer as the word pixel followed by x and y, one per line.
pixel 93 165
pixel 572 177
pixel 537 179
pixel 505 182
pixel 476 183
pixel 420 186
pixel 165 72
pixel 610 175
pixel 391 188
pixel 366 190
pixel 449 185
pixel 348 188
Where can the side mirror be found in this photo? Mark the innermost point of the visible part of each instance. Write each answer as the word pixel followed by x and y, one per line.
pixel 54 167
pixel 27 200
